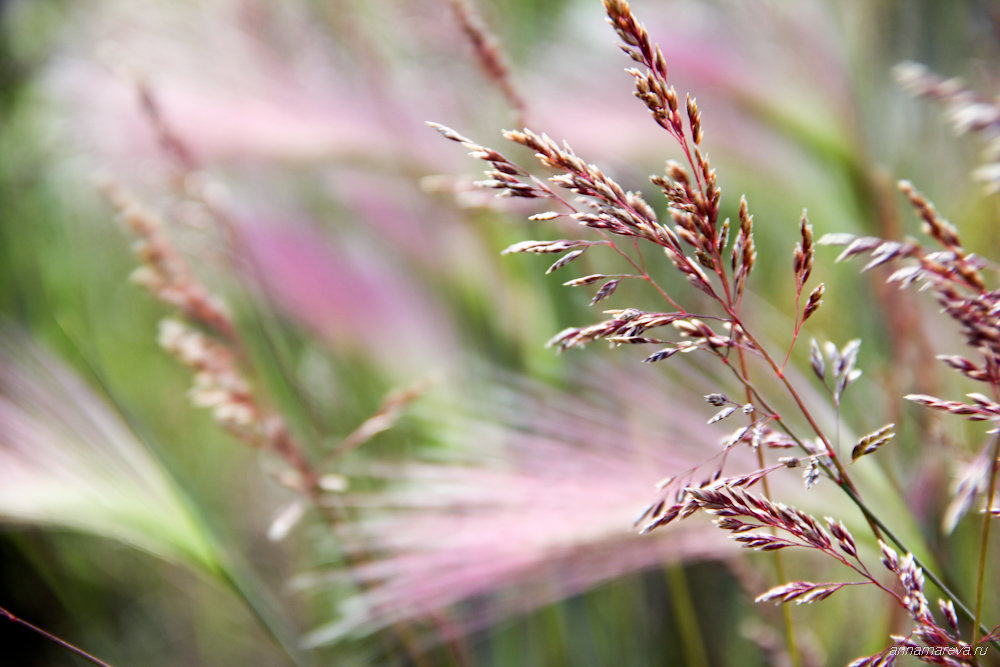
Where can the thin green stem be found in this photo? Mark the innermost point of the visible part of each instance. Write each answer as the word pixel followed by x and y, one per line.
pixel 692 639
pixel 934 579
pixel 793 393
pixel 985 540
pixel 779 563
pixel 843 479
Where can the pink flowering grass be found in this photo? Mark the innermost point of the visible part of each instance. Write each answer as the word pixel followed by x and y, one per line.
pixel 539 498
pixel 297 224
pixel 305 276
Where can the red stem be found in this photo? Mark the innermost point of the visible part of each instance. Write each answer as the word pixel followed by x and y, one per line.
pixel 51 637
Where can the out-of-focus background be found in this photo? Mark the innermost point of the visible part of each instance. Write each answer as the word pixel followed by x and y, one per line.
pixel 491 525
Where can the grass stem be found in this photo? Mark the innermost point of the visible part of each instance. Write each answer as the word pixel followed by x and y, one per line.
pixel 985 540
pixel 52 638
pixel 692 640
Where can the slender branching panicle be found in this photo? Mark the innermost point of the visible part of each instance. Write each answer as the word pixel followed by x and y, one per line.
pixel 716 258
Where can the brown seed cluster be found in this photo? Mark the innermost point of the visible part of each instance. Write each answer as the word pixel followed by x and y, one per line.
pixel 805 252
pixel 625 326
pixel 871 442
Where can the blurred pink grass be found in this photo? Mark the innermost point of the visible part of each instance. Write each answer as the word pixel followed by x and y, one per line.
pixel 352 300
pixel 276 87
pixel 537 507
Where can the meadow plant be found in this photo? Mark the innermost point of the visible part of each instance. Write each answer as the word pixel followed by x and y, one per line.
pixel 416 547
pixel 529 500
pixel 716 258
pixel 539 508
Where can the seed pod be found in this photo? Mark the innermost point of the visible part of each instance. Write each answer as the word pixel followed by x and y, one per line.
pixel 814 302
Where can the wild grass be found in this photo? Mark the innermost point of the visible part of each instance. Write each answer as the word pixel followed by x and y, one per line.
pixel 697 244
pixel 353 433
